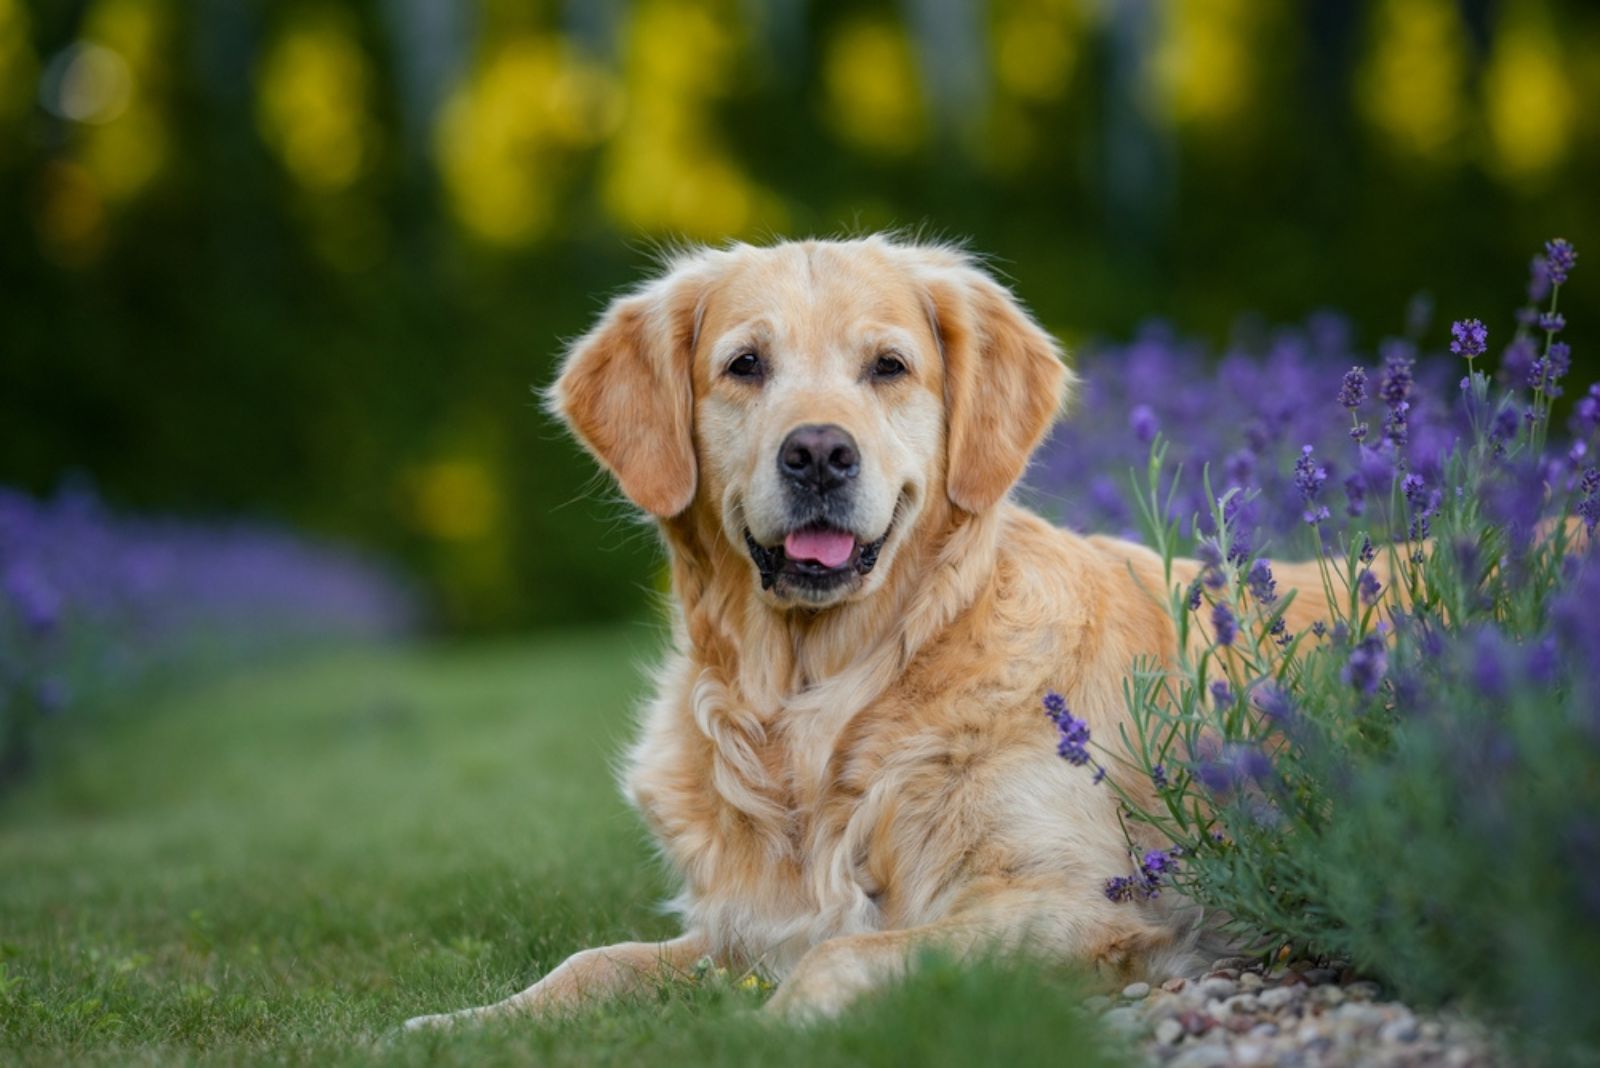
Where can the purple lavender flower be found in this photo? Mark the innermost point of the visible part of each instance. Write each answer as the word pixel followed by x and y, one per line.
pixel 1518 358
pixel 1369 587
pixel 1589 505
pixel 1559 257
pixel 1142 421
pixel 1120 888
pixel 1263 587
pixel 1273 701
pixel 1395 386
pixel 1353 390
pixel 1158 776
pixel 36 600
pixel 1368 663
pixel 1223 625
pixel 1073 746
pixel 1552 322
pixel 1538 279
pixel 1221 695
pixel 1560 359
pixel 1470 338
pixel 1586 413
pixel 1156 864
pixel 1055 706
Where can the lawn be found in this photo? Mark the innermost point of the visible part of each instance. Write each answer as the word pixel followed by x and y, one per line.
pixel 284 865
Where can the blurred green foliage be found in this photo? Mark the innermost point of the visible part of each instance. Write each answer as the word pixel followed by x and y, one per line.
pixel 307 259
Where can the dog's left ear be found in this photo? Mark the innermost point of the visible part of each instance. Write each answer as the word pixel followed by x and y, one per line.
pixel 625 390
pixel 1004 379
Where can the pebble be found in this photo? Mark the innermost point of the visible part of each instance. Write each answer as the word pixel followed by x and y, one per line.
pixel 1328 995
pixel 1398 1032
pixel 1169 1031
pixel 1279 996
pixel 1207 1056
pixel 1299 1014
pixel 1123 1019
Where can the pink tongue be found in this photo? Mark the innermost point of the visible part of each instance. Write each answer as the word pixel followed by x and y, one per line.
pixel 830 548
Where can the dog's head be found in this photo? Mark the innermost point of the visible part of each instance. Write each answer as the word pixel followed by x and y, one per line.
pixel 814 398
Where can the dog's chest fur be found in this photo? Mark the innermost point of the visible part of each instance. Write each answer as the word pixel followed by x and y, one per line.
pixel 857 807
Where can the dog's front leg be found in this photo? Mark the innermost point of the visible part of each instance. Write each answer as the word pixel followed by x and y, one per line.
pixel 836 972
pixel 590 975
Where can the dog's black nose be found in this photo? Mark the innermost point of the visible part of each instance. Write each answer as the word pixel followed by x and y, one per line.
pixel 819 457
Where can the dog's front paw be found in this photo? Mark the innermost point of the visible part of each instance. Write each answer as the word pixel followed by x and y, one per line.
pixel 439 1021
pixel 821 988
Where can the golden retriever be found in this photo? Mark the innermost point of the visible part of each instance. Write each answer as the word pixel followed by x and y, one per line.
pixel 845 758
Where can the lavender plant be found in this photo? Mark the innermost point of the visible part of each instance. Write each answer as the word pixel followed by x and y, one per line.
pixel 1413 783
pixel 92 603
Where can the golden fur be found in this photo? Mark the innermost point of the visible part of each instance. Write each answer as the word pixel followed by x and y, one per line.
pixel 838 779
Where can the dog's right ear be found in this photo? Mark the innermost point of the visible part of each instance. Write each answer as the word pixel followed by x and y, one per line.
pixel 625 391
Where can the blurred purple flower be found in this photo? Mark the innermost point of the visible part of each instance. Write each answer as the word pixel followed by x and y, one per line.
pixel 1559 258
pixel 1223 624
pixel 1142 421
pixel 1469 338
pixel 1368 663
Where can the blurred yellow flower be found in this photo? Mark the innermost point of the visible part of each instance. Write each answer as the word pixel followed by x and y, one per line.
pixel 1035 45
pixel 312 104
pixel 666 170
pixel 1412 86
pixel 126 146
pixel 18 68
pixel 873 93
pixel 1204 67
pixel 1528 100
pixel 505 138
pixel 454 500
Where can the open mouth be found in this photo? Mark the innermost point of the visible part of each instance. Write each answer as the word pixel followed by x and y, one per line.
pixel 815 556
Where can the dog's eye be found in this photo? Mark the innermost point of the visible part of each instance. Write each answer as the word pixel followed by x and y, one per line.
pixel 745 365
pixel 888 366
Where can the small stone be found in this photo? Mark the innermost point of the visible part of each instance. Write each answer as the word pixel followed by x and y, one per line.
pixel 1195 1022
pixel 1302 965
pixel 1223 973
pixel 1203 1056
pixel 1098 1003
pixel 1136 991
pixel 1218 987
pixel 1243 1003
pixel 1433 1030
pixel 1251 981
pixel 1292 979
pixel 1364 990
pixel 1360 1015
pixel 1280 996
pixel 1124 1019
pixel 1400 1031
pixel 1169 1032
pixel 1264 1030
pixel 1328 995
pixel 1237 964
pixel 1173 986
pixel 1249 1054
pixel 1239 1025
pixel 1321 976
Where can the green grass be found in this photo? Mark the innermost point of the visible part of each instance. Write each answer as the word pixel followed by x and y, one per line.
pixel 284 866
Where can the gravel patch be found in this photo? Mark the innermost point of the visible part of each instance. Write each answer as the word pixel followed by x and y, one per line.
pixel 1305 1014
